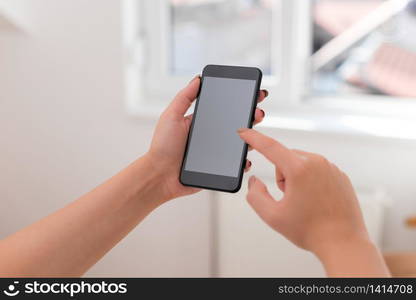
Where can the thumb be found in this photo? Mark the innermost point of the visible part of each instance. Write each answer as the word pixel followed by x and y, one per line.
pixel 184 98
pixel 259 198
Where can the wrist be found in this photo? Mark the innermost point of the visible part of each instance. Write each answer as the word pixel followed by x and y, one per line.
pixel 148 180
pixel 355 256
pixel 325 250
pixel 164 176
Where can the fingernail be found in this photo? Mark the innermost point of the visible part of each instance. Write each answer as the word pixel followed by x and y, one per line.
pixel 197 76
pixel 266 92
pixel 249 163
pixel 251 181
pixel 264 114
pixel 241 130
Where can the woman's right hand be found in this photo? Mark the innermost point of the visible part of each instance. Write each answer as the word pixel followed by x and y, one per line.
pixel 319 211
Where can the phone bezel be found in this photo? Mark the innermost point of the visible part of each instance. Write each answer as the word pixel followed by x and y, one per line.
pixel 213 181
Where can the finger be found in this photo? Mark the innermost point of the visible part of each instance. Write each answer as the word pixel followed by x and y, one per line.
pixel 303 154
pixel 258 118
pixel 188 119
pixel 192 190
pixel 313 157
pixel 184 98
pixel 248 166
pixel 259 115
pixel 271 149
pixel 280 180
pixel 335 167
pixel 261 201
pixel 262 95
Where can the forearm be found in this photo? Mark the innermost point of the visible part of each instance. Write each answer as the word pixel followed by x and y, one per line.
pixel 70 241
pixel 352 258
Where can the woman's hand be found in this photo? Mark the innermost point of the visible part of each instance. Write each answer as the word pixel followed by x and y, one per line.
pixel 169 140
pixel 68 242
pixel 319 211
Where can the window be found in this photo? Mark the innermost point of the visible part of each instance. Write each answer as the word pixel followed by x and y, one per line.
pixel 364 47
pixel 169 41
pixel 323 60
pixel 236 32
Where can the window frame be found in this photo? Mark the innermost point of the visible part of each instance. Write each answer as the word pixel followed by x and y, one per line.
pixel 146 44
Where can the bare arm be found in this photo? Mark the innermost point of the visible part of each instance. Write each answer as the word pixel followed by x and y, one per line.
pixel 319 211
pixel 70 241
pixel 352 257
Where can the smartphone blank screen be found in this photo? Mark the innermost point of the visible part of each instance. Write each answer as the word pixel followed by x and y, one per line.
pixel 224 106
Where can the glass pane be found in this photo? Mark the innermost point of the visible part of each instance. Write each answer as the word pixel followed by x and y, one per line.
pixel 364 47
pixel 232 32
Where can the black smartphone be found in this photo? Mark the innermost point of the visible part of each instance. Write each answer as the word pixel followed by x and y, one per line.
pixel 215 155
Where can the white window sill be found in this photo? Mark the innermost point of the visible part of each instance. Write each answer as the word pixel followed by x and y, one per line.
pixel 345 124
pixel 378 118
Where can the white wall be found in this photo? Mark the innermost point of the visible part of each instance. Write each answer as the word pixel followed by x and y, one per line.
pixel 64 129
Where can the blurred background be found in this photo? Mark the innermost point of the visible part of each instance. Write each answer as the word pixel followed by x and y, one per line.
pixel 83 82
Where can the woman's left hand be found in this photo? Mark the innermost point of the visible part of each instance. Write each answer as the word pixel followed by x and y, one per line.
pixel 169 140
